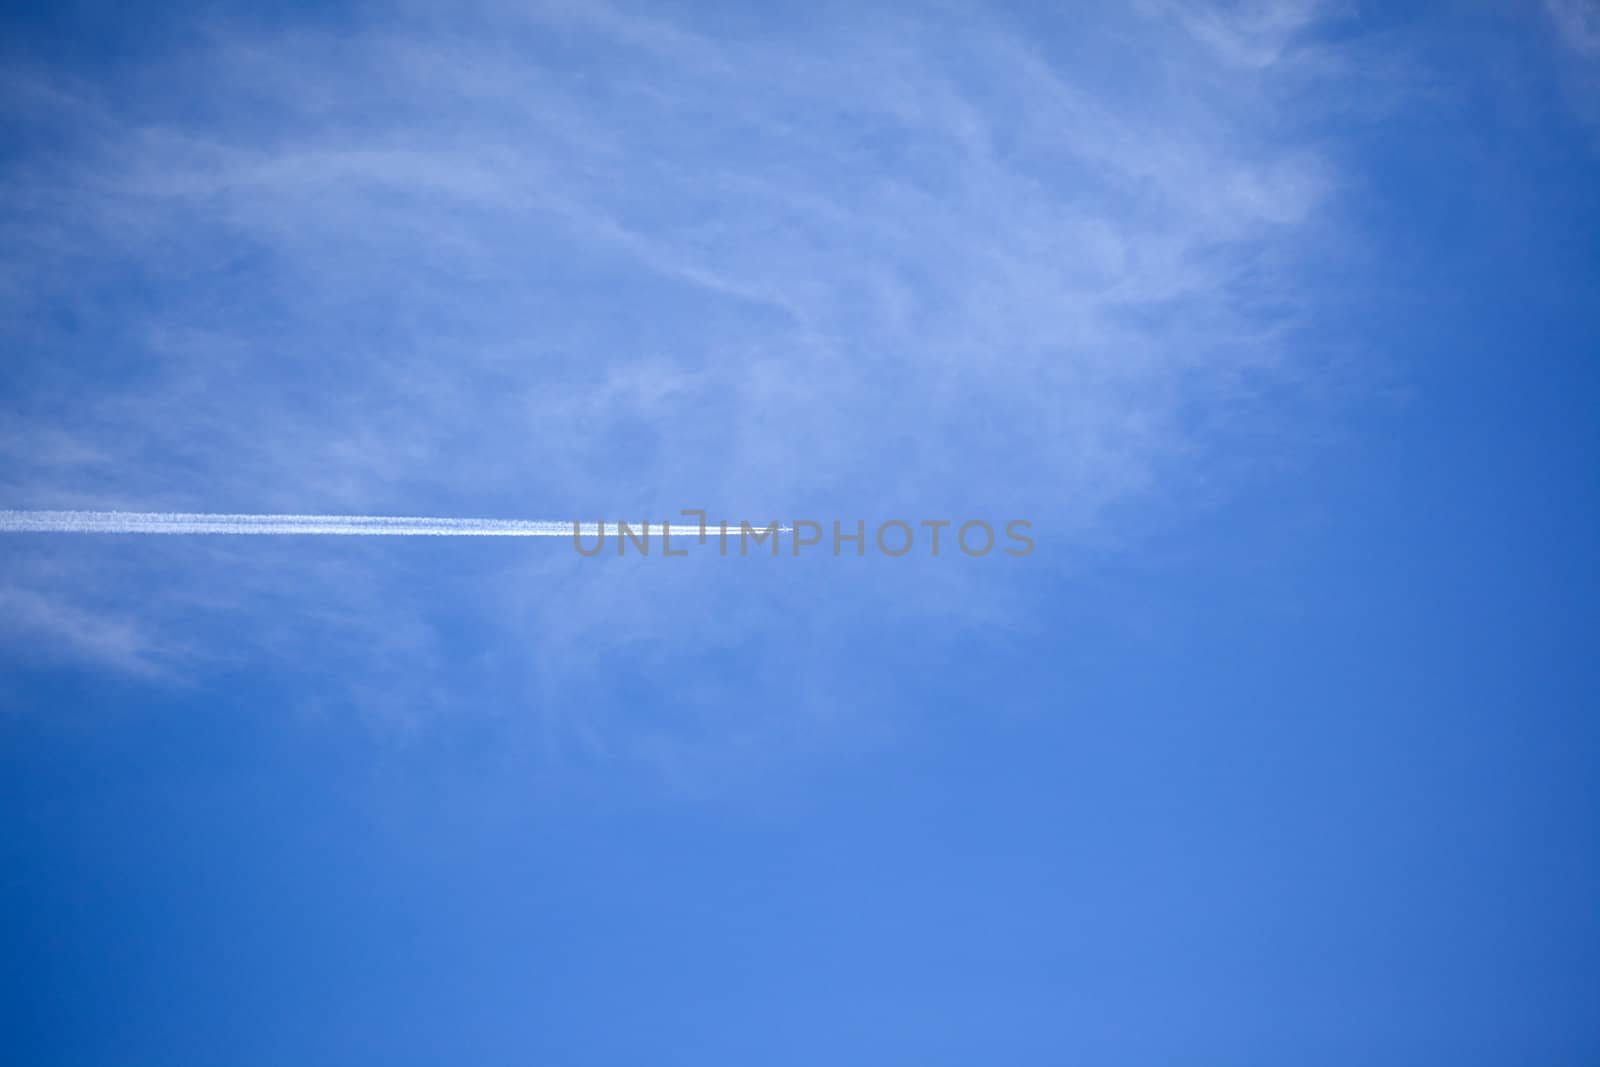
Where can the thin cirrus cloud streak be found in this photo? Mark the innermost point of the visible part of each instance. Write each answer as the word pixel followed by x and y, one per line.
pixel 964 259
pixel 151 522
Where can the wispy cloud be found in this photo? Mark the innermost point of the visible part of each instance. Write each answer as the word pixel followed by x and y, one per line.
pixel 622 264
pixel 1579 24
pixel 48 625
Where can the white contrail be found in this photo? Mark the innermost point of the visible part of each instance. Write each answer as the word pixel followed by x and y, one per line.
pixel 152 522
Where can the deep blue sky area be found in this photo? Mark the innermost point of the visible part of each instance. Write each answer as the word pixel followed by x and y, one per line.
pixel 1279 321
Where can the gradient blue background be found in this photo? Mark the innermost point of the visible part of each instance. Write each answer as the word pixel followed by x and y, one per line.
pixel 1301 770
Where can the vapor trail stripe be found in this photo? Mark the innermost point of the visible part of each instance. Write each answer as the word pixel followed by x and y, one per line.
pixel 150 522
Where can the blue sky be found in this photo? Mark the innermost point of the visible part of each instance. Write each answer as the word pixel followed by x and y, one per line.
pixel 1276 319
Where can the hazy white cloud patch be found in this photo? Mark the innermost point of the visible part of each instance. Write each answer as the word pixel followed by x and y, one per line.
pixel 582 261
pixel 44 624
pixel 1579 24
